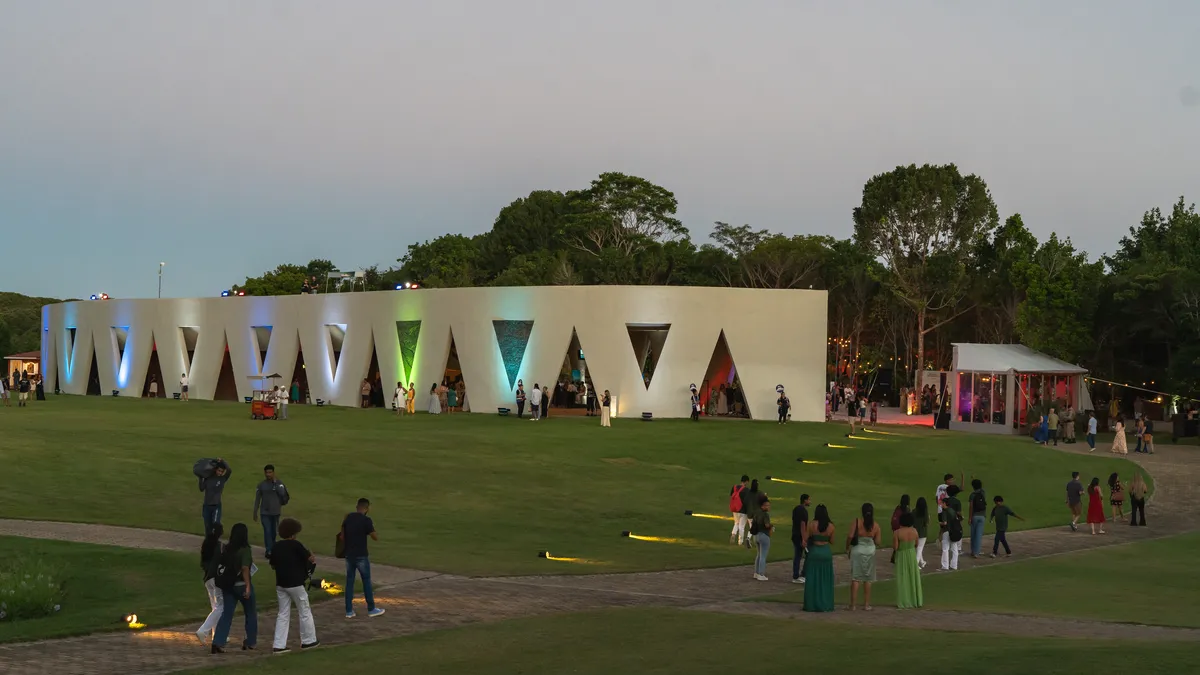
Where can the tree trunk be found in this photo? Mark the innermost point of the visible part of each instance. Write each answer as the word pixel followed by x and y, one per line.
pixel 920 345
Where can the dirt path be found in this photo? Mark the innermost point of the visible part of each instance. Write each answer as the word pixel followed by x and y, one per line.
pixel 419 601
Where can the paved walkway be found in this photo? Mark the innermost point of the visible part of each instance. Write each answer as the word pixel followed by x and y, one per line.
pixel 420 601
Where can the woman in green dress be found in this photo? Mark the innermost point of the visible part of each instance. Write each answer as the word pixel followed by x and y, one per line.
pixel 861 543
pixel 908 575
pixel 818 587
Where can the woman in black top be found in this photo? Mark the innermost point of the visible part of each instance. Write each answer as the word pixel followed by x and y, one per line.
pixel 605 410
pixel 233 579
pixel 210 555
pixel 293 564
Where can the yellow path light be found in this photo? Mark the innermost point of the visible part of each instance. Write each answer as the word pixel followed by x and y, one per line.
pixel 842 447
pixel 707 515
pixel 883 433
pixel 862 438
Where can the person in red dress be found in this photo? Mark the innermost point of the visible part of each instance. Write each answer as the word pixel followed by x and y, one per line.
pixel 1095 512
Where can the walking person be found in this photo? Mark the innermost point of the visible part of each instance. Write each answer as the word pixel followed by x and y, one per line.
pixel 1120 446
pixel 153 387
pixel 606 410
pixel 270 496
pixel 901 509
pixel 751 499
pixel 435 403
pixel 1137 501
pixel 356 528
pixel 1052 426
pixel 1000 514
pixel 546 402
pixel 950 520
pixel 1116 497
pixel 535 403
pixel 762 529
pixel 233 578
pixel 23 391
pixel 520 399
pixel 818 584
pixel 4 391
pixel 860 546
pixel 978 513
pixel 210 558
pixel 908 573
pixel 1069 425
pixel 213 474
pixel 784 404
pixel 293 564
pixel 695 404
pixel 1095 514
pixel 920 515
pixel 183 387
pixel 1091 432
pixel 400 399
pixel 1148 438
pixel 737 508
pixel 799 532
pixel 1075 498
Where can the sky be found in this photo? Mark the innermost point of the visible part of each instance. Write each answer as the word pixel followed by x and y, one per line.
pixel 225 137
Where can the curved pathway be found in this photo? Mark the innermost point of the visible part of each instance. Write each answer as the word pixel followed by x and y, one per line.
pixel 421 601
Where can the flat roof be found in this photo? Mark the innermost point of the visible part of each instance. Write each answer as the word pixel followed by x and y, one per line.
pixel 1003 358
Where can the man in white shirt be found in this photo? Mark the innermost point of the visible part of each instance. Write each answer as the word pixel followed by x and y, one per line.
pixel 281 401
pixel 535 402
pixel 183 387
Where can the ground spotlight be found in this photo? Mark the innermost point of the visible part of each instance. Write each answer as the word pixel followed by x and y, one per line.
pixel 783 480
pixel 834 445
pixel 883 433
pixel 625 533
pixel 711 516
pixel 328 586
pixel 546 555
pixel 862 438
pixel 813 461
pixel 131 620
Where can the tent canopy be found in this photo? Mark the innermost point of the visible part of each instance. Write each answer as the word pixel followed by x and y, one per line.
pixel 1004 358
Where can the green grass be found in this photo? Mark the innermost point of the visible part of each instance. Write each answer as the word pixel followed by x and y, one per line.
pixel 1146 582
pixel 481 494
pixel 659 641
pixel 103 583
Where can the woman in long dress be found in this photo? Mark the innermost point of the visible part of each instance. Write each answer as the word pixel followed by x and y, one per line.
pixel 605 410
pixel 1095 512
pixel 818 575
pixel 435 405
pixel 864 537
pixel 722 401
pixel 908 574
pixel 1119 445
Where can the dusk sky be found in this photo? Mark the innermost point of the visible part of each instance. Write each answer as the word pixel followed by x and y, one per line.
pixel 227 137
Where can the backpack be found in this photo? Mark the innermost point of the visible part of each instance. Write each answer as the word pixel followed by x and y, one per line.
pixel 284 497
pixel 735 499
pixel 228 571
pixel 978 502
pixel 953 524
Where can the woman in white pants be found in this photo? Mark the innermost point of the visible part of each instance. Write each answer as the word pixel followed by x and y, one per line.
pixel 921 524
pixel 293 564
pixel 605 409
pixel 210 554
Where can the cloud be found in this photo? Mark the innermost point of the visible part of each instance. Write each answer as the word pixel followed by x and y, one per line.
pixel 1189 96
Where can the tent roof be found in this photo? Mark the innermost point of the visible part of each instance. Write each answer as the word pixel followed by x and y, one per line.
pixel 1003 358
pixel 25 356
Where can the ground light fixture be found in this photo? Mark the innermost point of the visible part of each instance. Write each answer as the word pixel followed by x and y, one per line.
pixel 883 433
pixel 813 461
pixel 546 555
pixel 327 586
pixel 842 447
pixel 783 480
pixel 706 515
pixel 863 438
pixel 131 620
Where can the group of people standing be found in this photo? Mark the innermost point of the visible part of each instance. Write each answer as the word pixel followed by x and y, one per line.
pixel 229 567
pixel 1117 490
pixel 29 386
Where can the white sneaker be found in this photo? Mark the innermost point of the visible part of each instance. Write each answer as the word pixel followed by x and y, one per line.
pixel 798 580
pixel 202 637
pixel 760 577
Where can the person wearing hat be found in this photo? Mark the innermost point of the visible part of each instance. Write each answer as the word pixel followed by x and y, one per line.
pixel 785 404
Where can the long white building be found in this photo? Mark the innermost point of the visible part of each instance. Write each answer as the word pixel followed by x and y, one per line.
pixel 645 344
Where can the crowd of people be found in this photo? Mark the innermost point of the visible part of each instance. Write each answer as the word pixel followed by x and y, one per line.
pixel 29 386
pixel 228 567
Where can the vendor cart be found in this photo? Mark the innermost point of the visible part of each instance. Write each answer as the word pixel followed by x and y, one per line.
pixel 262 405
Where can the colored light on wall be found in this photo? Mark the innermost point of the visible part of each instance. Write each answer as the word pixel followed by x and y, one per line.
pixel 512 337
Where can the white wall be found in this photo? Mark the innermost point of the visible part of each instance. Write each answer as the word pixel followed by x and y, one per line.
pixel 775 337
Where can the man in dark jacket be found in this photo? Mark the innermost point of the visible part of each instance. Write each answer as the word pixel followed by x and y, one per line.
pixel 799 537
pixel 269 498
pixel 213 485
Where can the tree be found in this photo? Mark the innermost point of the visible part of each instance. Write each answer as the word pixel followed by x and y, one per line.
pixel 528 225
pixel 6 347
pixel 623 213
pixel 996 290
pixel 283 280
pixel 852 278
pixel 450 261
pixel 925 223
pixel 1061 298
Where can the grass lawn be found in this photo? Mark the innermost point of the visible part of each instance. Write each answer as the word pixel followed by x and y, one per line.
pixel 656 641
pixel 1146 582
pixel 103 583
pixel 482 494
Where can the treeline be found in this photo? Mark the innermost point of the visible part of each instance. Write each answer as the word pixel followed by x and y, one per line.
pixel 20 323
pixel 929 262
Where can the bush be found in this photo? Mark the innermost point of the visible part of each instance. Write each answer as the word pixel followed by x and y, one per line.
pixel 30 589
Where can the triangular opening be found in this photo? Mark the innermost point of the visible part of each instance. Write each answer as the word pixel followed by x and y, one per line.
pixel 336 333
pixel 57 388
pixel 374 380
pixel 299 389
pixel 721 391
pixel 226 382
pixel 120 338
pixel 512 336
pixel 407 332
pixel 647 340
pixel 93 387
pixel 575 385
pixel 452 388
pixel 188 336
pixel 69 356
pixel 262 338
pixel 154 373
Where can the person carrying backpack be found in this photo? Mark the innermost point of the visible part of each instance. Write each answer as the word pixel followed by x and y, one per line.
pixel 293 564
pixel 978 515
pixel 950 520
pixel 210 559
pixel 270 496
pixel 233 579
pixel 737 508
pixel 213 474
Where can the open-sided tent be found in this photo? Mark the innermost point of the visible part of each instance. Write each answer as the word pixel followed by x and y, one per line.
pixel 997 388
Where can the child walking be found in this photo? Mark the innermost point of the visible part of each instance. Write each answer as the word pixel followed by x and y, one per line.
pixel 1000 514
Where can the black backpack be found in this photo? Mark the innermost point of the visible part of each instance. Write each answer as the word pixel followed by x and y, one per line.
pixel 953 524
pixel 228 570
pixel 978 502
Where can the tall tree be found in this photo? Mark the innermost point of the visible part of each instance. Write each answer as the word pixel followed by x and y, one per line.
pixel 995 288
pixel 526 226
pixel 1062 291
pixel 450 261
pixel 624 214
pixel 925 223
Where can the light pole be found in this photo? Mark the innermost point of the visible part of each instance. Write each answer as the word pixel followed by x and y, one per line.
pixel 161 265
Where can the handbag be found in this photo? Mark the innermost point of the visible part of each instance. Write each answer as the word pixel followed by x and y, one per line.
pixel 854 539
pixel 339 546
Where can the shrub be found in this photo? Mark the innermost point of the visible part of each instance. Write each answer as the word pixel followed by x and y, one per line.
pixel 29 589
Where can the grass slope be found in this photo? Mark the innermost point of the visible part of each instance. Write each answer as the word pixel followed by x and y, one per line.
pixel 661 641
pixel 481 494
pixel 106 582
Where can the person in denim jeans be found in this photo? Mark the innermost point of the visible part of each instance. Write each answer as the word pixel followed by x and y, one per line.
pixel 269 497
pixel 233 578
pixel 978 506
pixel 356 527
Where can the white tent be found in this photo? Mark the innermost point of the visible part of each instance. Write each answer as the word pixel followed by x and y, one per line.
pixel 994 386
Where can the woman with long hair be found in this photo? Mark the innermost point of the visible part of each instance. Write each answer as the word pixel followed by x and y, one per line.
pixel 920 516
pixel 1095 512
pixel 900 510
pixel 864 537
pixel 1120 446
pixel 210 556
pixel 435 403
pixel 233 578
pixel 908 573
pixel 1116 496
pixel 1137 500
pixel 818 587
pixel 606 409
pixel 762 529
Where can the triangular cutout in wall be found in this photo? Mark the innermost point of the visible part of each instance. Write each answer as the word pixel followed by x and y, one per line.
pixel 93 386
pixel 336 334
pixel 69 353
pixel 647 340
pixel 721 384
pixel 188 337
pixel 408 332
pixel 262 340
pixel 226 381
pixel 375 380
pixel 154 371
pixel 512 337
pixel 576 371
pixel 300 373
pixel 452 380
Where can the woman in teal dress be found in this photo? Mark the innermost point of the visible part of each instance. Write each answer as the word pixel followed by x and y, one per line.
pixel 861 543
pixel 908 575
pixel 818 587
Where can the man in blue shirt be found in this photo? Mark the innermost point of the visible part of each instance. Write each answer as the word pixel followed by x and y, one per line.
pixel 1091 437
pixel 356 527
